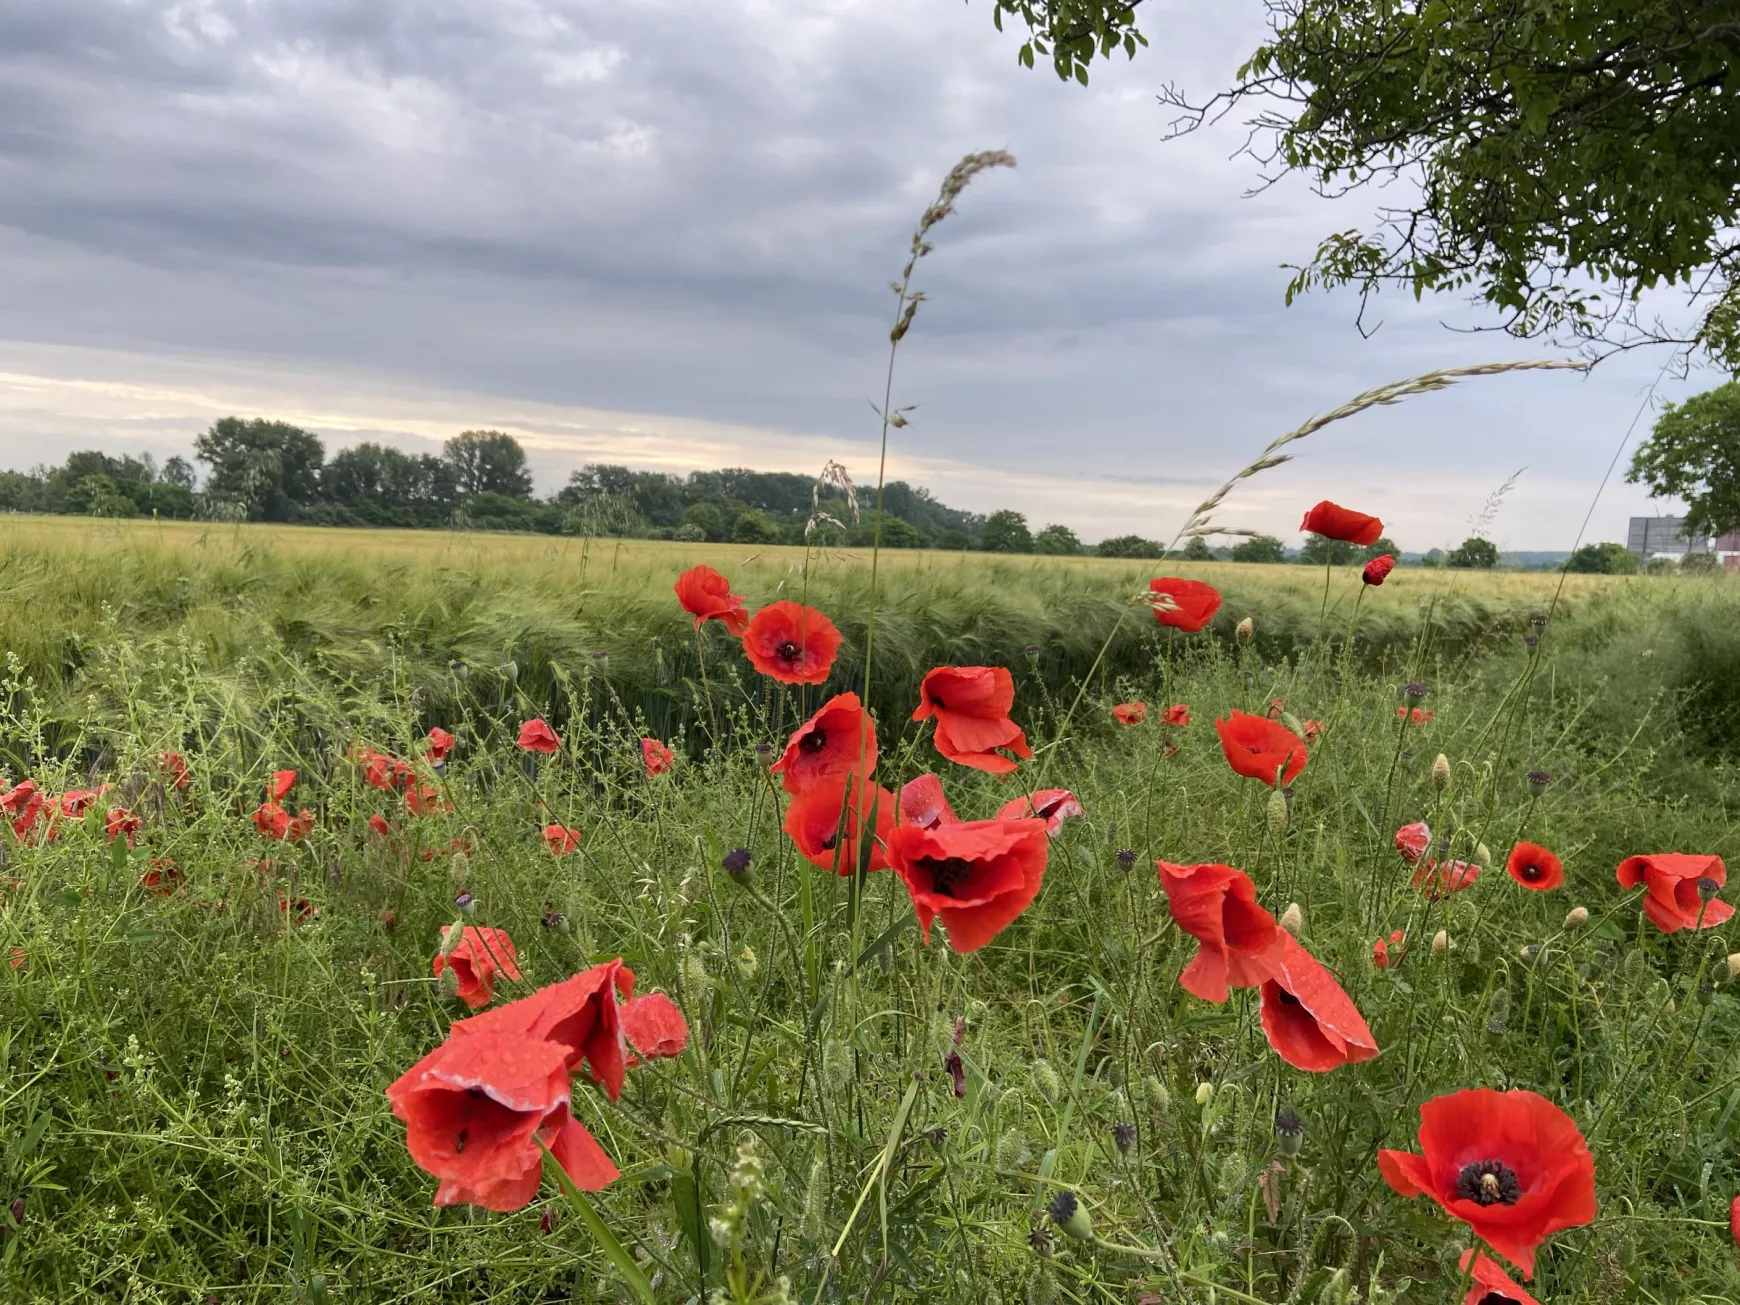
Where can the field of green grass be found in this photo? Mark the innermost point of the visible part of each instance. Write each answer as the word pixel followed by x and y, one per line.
pixel 197 1031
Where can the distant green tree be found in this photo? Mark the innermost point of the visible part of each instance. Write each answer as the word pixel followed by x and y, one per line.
pixel 1474 554
pixel 1384 545
pixel 1006 532
pixel 689 533
pixel 753 527
pixel 895 534
pixel 708 518
pixel 1128 546
pixel 1603 559
pixel 1320 550
pixel 954 541
pixel 1197 550
pixel 1700 564
pixel 1694 454
pixel 97 496
pixel 1058 541
pixel 269 469
pixel 1260 548
pixel 178 471
pixel 489 462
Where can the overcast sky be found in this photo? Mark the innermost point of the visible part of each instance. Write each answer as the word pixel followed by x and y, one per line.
pixel 660 232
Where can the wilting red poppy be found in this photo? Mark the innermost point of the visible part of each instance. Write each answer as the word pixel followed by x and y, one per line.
pixel 1378 569
pixel 122 823
pixel 1415 715
pixel 827 833
pixel 654 1027
pixel 1310 1022
pixel 580 1014
pixel 977 876
pixel 440 744
pixel 175 772
pixel 378 823
pixel 425 800
pixel 561 839
pixel 1336 522
pixel 536 736
pixel 1313 730
pixel 1186 605
pixel 1217 905
pixel 840 738
pixel 1682 889
pixel 1511 1165
pixel 1532 866
pixel 23 802
pixel 1130 713
pixel 162 877
pixel 971 706
pixel 657 756
pixel 1276 707
pixel 481 955
pixel 1052 805
pixel 706 595
pixel 1439 880
pixel 75 802
pixel 273 821
pixel 1413 840
pixel 1380 951
pixel 297 910
pixel 923 804
pixel 1492 1285
pixel 282 781
pixel 791 643
pixel 1258 748
pixel 1177 714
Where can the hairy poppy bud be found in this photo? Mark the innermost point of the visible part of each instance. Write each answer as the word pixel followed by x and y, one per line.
pixel 1277 813
pixel 1482 854
pixel 449 982
pixel 737 864
pixel 1441 772
pixel 1244 630
pixel 1042 1288
pixel 1293 723
pixel 1577 917
pixel 1289 1132
pixel 1158 1097
pixel 1293 919
pixel 460 866
pixel 816 1200
pixel 451 936
pixel 1230 1176
pixel 1045 1081
pixel 1011 1149
pixel 1734 965
pixel 1538 781
pixel 1205 1093
pixel 1441 943
pixel 1070 1216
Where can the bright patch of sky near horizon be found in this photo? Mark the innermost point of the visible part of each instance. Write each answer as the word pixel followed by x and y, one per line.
pixel 660 233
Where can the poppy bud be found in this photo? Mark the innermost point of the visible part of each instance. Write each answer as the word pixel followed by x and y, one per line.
pixel 1293 919
pixel 460 867
pixel 467 905
pixel 1011 1148
pixel 1231 1174
pixel 1441 943
pixel 1441 772
pixel 1538 781
pixel 1158 1097
pixel 1483 854
pixel 695 977
pixel 747 963
pixel 1070 1216
pixel 737 864
pixel 1244 630
pixel 1045 1081
pixel 1042 1288
pixel 451 936
pixel 1734 965
pixel 1577 917
pixel 1277 813
pixel 1529 951
pixel 1289 1132
pixel 449 982
pixel 1205 1094
pixel 1293 723
pixel 1123 1137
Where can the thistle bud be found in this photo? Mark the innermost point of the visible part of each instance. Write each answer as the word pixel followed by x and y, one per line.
pixel 1244 631
pixel 1205 1094
pixel 449 982
pixel 1070 1216
pixel 1293 919
pixel 1277 813
pixel 1441 943
pixel 1577 917
pixel 1441 772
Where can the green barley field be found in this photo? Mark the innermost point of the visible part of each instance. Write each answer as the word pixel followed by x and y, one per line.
pixel 199 1021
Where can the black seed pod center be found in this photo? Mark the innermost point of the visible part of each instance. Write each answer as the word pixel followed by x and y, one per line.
pixel 947 873
pixel 1488 1182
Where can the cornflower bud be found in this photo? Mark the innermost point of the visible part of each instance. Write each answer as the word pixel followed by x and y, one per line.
pixel 1293 919
pixel 1577 917
pixel 1070 1216
pixel 1441 772
pixel 1244 630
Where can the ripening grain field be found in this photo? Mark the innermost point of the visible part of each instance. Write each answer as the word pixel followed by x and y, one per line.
pixel 215 968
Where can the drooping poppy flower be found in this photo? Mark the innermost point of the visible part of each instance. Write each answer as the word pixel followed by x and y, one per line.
pixel 1532 866
pixel 122 823
pixel 1511 1165
pixel 1415 715
pixel 839 739
pixel 1681 887
pixel 1378 569
pixel 378 823
pixel 1492 1285
pixel 791 643
pixel 297 910
pixel 923 804
pixel 75 802
pixel 1130 713
pixel 440 744
pixel 971 705
pixel 282 782
pixel 162 877
pixel 23 802
pixel 1177 714
pixel 1336 522
pixel 1413 840
pixel 1309 1020
pixel 829 832
pixel 561 839
pixel 654 1027
pixel 1217 905
pixel 1438 880
pixel 481 954
pixel 175 772
pixel 1186 605
pixel 977 876
pixel 1276 707
pixel 272 820
pixel 425 800
pixel 706 595
pixel 1313 730
pixel 580 1014
pixel 657 756
pixel 1380 950
pixel 1258 748
pixel 536 736
pixel 1052 805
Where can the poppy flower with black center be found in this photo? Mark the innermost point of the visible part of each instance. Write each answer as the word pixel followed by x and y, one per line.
pixel 440 744
pixel 579 1014
pixel 657 756
pixel 1532 866
pixel 1413 840
pixel 1130 713
pixel 282 782
pixel 1186 605
pixel 1492 1285
pixel 561 839
pixel 971 707
pixel 1415 715
pixel 706 595
pixel 791 643
pixel 297 910
pixel 654 1027
pixel 1309 1020
pixel 1333 521
pixel 829 832
pixel 1177 714
pixel 1052 805
pixel 1682 889
pixel 976 876
pixel 1217 905
pixel 537 736
pixel 1378 569
pixel 1439 880
pixel 175 772
pixel 1258 748
pixel 1511 1165
pixel 122 823
pixel 839 739
pixel 924 805
pixel 162 877
pixel 480 956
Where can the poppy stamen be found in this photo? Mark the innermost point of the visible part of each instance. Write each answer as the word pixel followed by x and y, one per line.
pixel 788 651
pixel 459 1142
pixel 1488 1182
pixel 947 873
pixel 814 741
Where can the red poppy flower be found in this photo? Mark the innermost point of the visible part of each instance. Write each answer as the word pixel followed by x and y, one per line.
pixel 282 780
pixel 580 1014
pixel 1177 714
pixel 1532 866
pixel 1676 882
pixel 1313 730
pixel 440 744
pixel 15 959
pixel 1415 715
pixel 657 756
pixel 1438 881
pixel 706 595
pixel 1336 522
pixel 819 816
pixel 1052 805
pixel 1492 1285
pixel 297 910
pixel 971 706
pixel 923 804
pixel 480 956
pixel 378 823
pixel 1733 1212
pixel 839 739
pixel 425 800
pixel 1310 1022
pixel 536 736
pixel 791 643
pixel 272 820
pixel 1413 840
pixel 75 802
pixel 1258 748
pixel 122 823
pixel 1130 713
pixel 175 772
pixel 23 802
pixel 1217 905
pixel 561 839
pixel 1186 605
pixel 1380 954
pixel 162 878
pixel 977 876
pixel 654 1027
pixel 1511 1165
pixel 1276 707
pixel 1378 569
